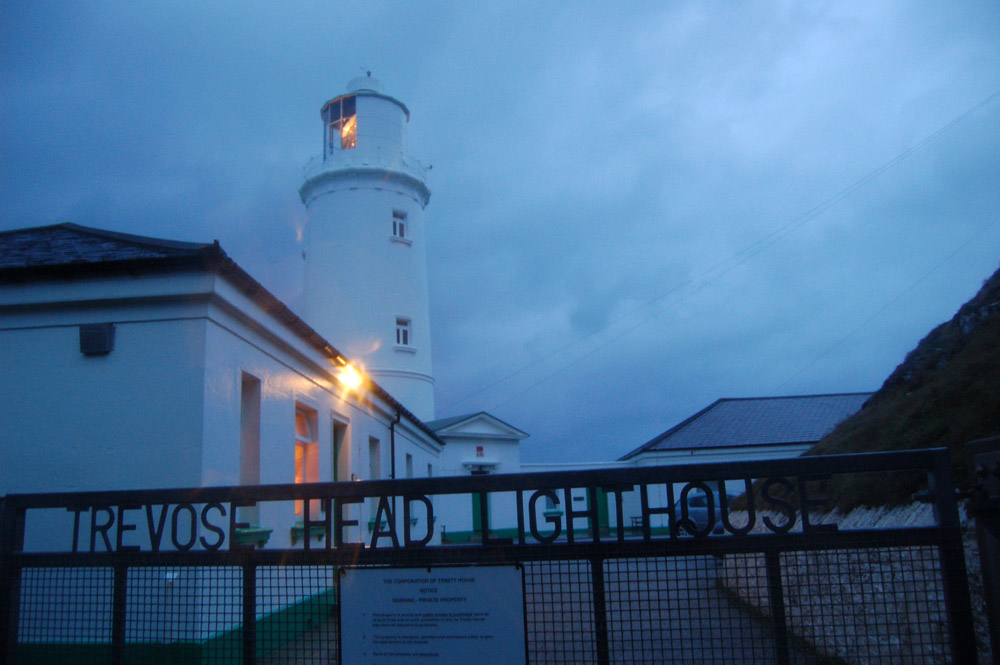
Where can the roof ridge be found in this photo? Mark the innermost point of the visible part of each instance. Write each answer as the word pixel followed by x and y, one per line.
pixel 777 397
pixel 147 241
pixel 144 241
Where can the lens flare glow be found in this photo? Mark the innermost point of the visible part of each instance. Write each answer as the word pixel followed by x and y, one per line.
pixel 349 377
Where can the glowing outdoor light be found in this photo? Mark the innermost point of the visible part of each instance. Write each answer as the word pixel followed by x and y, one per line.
pixel 349 377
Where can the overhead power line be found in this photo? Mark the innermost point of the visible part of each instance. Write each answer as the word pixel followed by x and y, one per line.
pixel 715 272
pixel 899 296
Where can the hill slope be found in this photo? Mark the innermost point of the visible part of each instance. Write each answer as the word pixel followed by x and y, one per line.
pixel 945 393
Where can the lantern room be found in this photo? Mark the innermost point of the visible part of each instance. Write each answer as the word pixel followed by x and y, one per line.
pixel 363 125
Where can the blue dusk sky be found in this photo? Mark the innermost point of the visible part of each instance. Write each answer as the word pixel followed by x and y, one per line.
pixel 637 208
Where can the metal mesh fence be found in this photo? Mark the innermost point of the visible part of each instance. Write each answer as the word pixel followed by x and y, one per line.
pixel 882 605
pixel 183 612
pixel 603 595
pixel 674 610
pixel 65 612
pixel 870 605
pixel 559 605
pixel 297 620
pixel 873 605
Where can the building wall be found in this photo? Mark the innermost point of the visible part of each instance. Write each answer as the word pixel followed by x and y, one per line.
pixel 658 494
pixel 243 341
pixel 355 294
pixel 128 419
pixel 478 447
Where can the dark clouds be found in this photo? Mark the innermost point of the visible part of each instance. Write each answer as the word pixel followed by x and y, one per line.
pixel 619 227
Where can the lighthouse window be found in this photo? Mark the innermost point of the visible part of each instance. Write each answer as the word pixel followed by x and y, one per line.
pixel 398 224
pixel 342 124
pixel 349 133
pixel 402 331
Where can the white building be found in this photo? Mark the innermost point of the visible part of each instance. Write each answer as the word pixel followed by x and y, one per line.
pixel 477 443
pixel 133 362
pixel 742 430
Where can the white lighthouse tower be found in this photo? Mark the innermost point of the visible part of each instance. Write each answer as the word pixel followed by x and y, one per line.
pixel 365 259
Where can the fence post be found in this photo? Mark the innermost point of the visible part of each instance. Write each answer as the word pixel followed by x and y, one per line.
pixel 5 613
pixel 119 604
pixel 984 466
pixel 600 611
pixel 954 578
pixel 776 597
pixel 249 643
pixel 11 540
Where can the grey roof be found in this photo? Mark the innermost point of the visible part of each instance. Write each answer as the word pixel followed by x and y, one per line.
pixel 758 421
pixel 71 244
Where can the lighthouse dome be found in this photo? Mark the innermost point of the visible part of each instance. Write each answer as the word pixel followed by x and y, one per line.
pixel 364 84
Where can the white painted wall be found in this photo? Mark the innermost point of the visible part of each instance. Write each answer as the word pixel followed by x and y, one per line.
pixel 658 495
pixel 126 420
pixel 480 443
pixel 242 339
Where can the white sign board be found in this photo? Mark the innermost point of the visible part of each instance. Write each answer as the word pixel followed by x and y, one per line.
pixel 439 616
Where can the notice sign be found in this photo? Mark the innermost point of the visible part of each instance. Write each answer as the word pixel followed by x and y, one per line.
pixel 447 615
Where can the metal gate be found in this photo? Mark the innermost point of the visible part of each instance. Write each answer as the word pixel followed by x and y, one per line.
pixel 640 565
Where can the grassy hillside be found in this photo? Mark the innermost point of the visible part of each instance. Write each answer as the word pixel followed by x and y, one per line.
pixel 945 393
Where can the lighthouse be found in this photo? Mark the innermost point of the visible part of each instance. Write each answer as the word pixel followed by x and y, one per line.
pixel 365 243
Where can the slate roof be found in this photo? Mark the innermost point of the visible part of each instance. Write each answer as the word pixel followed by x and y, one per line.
pixel 758 421
pixel 70 250
pixel 74 245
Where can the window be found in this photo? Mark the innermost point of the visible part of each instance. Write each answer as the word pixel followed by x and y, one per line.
pixel 341 122
pixel 249 440
pixel 306 452
pixel 341 452
pixel 409 465
pixel 402 331
pixel 374 473
pixel 374 459
pixel 399 224
pixel 249 430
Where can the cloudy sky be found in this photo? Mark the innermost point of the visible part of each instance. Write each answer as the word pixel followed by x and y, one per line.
pixel 634 211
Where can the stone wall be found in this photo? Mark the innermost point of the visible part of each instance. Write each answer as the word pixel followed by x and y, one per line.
pixel 865 606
